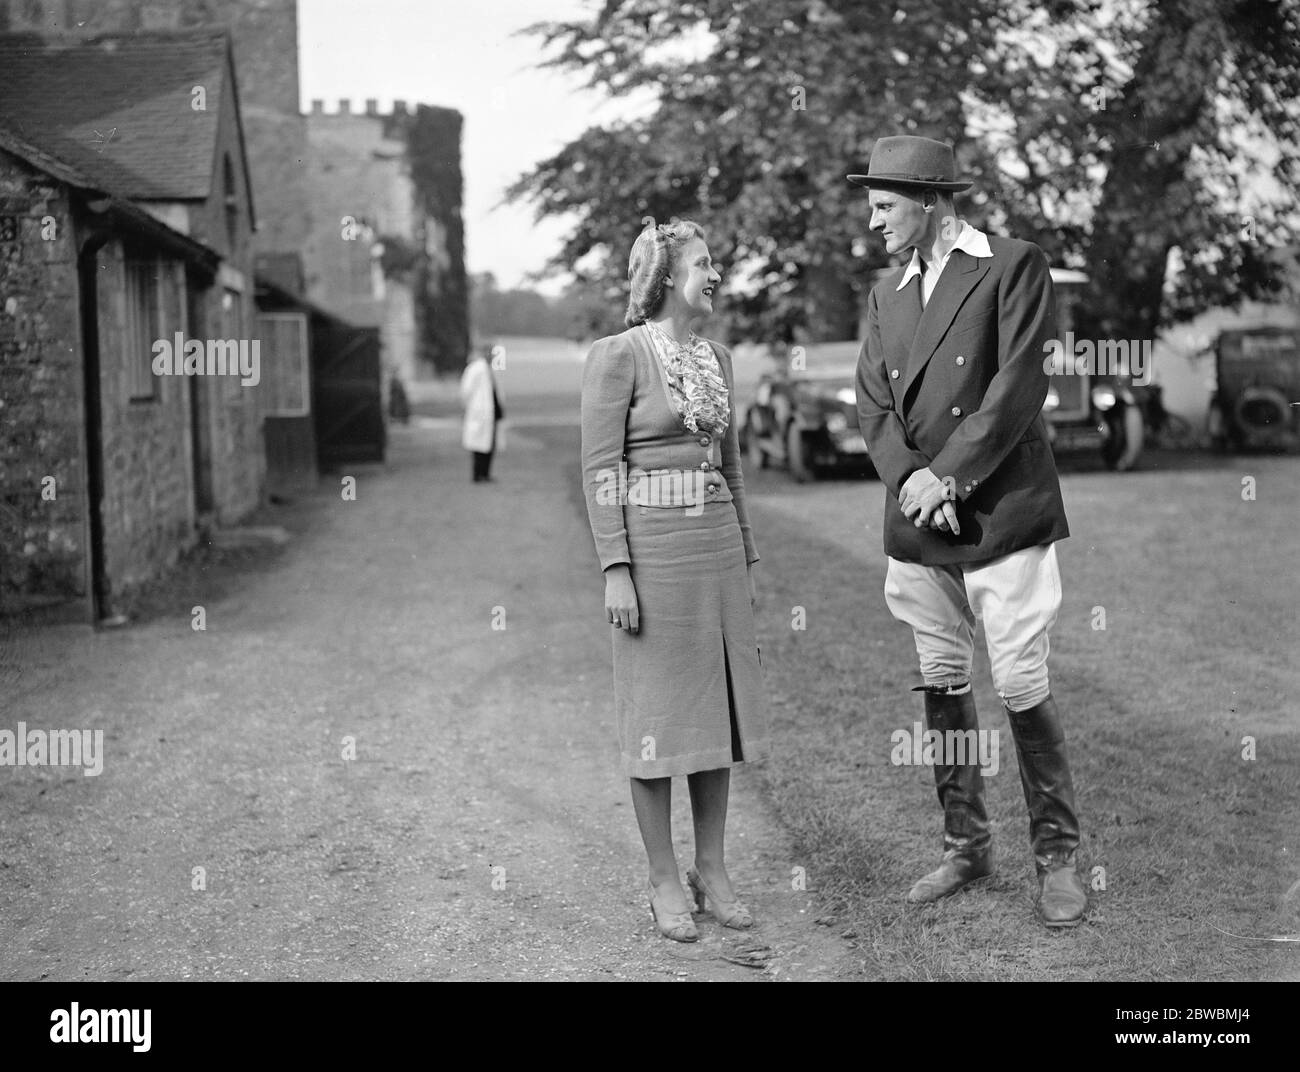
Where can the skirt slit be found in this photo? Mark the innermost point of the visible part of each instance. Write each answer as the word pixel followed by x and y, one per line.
pixel 676 713
pixel 737 752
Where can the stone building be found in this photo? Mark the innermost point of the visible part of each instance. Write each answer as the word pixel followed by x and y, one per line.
pixel 126 218
pixel 361 193
pixel 396 174
pixel 387 244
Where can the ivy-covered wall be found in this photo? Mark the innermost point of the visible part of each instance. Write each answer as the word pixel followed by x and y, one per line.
pixel 442 289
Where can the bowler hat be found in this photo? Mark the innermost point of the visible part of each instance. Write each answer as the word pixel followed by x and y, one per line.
pixel 912 163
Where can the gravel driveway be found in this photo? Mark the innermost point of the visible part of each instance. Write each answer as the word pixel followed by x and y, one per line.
pixel 482 830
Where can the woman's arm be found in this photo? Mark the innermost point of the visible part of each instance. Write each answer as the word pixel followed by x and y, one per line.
pixel 731 457
pixel 607 384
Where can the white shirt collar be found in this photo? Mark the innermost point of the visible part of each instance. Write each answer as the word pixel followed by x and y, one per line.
pixel 969 240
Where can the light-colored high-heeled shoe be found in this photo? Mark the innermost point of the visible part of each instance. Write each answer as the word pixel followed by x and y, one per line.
pixel 731 914
pixel 675 925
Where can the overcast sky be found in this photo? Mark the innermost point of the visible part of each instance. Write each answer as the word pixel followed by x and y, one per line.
pixel 460 55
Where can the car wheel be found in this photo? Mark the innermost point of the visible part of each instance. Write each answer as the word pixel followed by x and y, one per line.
pixel 1262 409
pixel 796 454
pixel 754 449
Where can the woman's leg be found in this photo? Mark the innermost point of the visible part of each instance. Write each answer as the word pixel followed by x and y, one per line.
pixel 652 799
pixel 709 791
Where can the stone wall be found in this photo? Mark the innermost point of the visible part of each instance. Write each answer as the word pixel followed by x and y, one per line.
pixel 356 171
pixel 234 410
pixel 148 493
pixel 367 166
pixel 277 155
pixel 147 443
pixel 235 415
pixel 43 533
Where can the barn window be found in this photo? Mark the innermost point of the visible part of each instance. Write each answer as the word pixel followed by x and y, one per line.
pixel 143 325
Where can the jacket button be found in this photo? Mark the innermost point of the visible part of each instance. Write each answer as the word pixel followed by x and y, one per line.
pixel 956 411
pixel 705 441
pixel 705 465
pixel 893 374
pixel 961 360
pixel 713 489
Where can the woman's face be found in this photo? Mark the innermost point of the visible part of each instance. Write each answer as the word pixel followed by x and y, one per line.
pixel 695 279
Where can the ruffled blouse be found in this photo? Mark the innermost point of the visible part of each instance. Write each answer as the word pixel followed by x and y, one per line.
pixel 695 381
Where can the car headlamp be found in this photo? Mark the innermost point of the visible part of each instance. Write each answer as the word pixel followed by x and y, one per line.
pixel 1103 397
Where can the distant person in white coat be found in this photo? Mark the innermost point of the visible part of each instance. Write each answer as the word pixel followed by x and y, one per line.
pixel 478 394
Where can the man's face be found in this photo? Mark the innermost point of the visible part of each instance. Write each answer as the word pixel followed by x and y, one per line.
pixel 900 218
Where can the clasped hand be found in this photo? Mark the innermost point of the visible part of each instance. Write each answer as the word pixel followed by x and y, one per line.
pixel 925 499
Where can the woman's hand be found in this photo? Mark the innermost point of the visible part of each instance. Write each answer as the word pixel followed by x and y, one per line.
pixel 621 609
pixel 753 589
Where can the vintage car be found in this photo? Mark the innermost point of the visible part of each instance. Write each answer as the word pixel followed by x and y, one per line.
pixel 1257 373
pixel 1093 410
pixel 804 414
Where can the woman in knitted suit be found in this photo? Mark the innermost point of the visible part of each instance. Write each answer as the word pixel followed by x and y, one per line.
pixel 666 502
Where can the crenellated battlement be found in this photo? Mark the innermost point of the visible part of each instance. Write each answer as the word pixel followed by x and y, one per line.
pixel 344 109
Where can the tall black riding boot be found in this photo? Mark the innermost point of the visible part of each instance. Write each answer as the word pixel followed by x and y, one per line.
pixel 967 843
pixel 1053 825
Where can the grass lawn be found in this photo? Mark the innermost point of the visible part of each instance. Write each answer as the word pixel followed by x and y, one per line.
pixel 1199 651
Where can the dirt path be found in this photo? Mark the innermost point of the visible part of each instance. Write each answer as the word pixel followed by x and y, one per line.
pixel 481 832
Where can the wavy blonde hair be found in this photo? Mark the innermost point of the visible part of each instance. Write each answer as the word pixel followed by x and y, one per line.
pixel 655 254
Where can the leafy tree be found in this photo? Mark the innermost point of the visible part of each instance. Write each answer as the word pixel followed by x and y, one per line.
pixel 752 135
pixel 1214 85
pixel 763 106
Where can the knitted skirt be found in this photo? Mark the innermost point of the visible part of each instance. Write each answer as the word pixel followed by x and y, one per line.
pixel 688 687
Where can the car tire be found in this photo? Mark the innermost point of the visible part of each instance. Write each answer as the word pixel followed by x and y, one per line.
pixel 1260 410
pixel 796 454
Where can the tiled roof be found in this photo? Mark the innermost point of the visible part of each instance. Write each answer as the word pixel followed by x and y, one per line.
pixel 42 158
pixel 116 206
pixel 118 107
